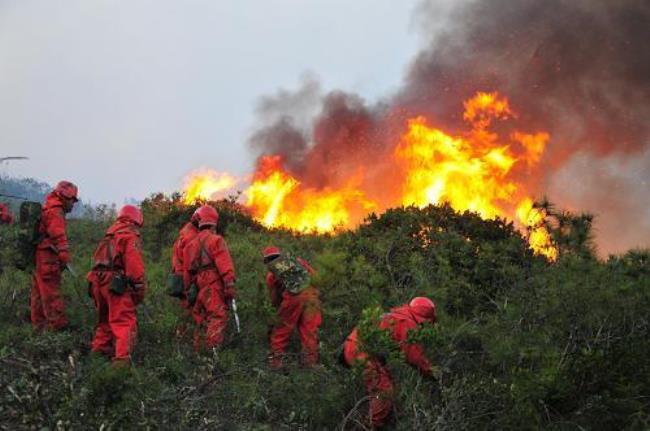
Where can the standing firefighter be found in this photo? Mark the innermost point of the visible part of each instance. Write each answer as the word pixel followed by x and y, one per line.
pixel 5 214
pixel 297 304
pixel 377 378
pixel 176 284
pixel 209 271
pixel 117 285
pixel 52 256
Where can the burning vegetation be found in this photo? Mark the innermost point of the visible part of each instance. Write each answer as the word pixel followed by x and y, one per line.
pixel 476 170
pixel 573 126
pixel 206 184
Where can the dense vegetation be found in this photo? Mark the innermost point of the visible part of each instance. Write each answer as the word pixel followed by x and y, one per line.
pixel 522 344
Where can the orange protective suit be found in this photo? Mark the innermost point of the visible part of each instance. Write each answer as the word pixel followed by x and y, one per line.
pixel 185 235
pixel 116 327
pixel 377 377
pixel 47 306
pixel 207 263
pixel 302 311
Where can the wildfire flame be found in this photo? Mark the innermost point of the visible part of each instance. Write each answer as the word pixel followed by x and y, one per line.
pixel 475 170
pixel 206 185
pixel 278 199
pixel 538 237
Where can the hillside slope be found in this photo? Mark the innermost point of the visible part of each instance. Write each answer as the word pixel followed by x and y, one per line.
pixel 523 344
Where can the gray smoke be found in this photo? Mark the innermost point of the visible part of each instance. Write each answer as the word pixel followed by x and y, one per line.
pixel 579 69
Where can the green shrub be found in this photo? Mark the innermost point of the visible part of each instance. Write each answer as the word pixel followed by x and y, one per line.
pixel 521 343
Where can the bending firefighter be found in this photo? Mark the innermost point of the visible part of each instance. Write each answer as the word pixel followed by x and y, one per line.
pixel 117 285
pixel 52 256
pixel 209 275
pixel 297 304
pixel 377 378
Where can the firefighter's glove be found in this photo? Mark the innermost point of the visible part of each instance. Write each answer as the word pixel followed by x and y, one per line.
pixel 229 292
pixel 64 257
pixel 276 300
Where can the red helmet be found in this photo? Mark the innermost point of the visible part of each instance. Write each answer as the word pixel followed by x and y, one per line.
pixel 66 190
pixel 270 252
pixel 423 309
pixel 131 213
pixel 195 216
pixel 207 215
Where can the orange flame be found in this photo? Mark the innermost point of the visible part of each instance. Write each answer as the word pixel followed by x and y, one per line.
pixel 539 238
pixel 279 200
pixel 441 168
pixel 474 171
pixel 207 185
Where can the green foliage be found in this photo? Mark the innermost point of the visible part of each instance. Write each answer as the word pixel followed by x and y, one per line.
pixel 376 342
pixel 520 343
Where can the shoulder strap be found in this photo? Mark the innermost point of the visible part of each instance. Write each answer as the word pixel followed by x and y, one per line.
pixel 106 244
pixel 201 257
pixel 111 251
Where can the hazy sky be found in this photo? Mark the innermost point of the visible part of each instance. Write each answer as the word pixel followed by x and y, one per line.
pixel 126 97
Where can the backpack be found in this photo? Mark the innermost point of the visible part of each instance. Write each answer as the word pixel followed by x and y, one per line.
pixel 289 271
pixel 104 260
pixel 28 235
pixel 199 263
pixel 203 260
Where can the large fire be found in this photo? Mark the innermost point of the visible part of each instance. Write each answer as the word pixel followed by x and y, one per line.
pixel 475 170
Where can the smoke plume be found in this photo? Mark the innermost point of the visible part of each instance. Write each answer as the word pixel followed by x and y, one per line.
pixel 579 69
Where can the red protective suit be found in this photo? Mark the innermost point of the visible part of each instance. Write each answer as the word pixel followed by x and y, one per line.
pixel 377 378
pixel 116 314
pixel 302 311
pixel 185 235
pixel 207 263
pixel 48 309
pixel 5 215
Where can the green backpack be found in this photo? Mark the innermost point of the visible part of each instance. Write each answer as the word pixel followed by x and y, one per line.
pixel 287 269
pixel 28 235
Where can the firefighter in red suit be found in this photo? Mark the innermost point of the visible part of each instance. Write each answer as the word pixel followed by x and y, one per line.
pixel 209 268
pixel 377 378
pixel 117 285
pixel 5 215
pixel 187 233
pixel 301 310
pixel 52 255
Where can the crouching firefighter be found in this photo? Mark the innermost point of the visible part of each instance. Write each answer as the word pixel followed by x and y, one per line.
pixel 209 275
pixel 400 321
pixel 51 257
pixel 297 303
pixel 117 285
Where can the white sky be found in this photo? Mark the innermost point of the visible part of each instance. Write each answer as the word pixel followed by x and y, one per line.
pixel 126 97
